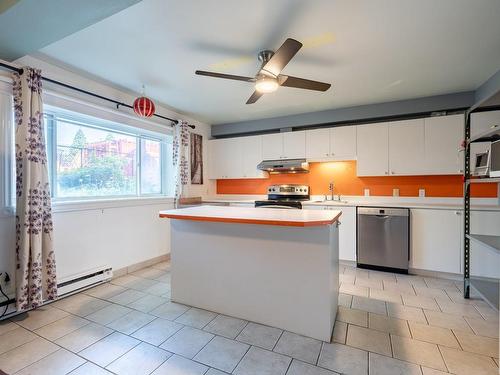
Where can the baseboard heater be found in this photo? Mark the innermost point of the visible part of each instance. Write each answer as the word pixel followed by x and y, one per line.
pixel 75 283
pixel 69 285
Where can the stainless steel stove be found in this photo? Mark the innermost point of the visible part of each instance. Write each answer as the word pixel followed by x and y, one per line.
pixel 285 196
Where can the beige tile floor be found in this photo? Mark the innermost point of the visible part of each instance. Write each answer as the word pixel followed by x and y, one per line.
pixel 387 324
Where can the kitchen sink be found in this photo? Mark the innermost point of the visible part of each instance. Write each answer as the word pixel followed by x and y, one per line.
pixel 341 202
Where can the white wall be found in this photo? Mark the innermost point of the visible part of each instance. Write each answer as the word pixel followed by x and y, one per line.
pixel 111 234
pixel 116 237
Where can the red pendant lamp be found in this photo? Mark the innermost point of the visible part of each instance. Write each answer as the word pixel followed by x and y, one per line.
pixel 143 106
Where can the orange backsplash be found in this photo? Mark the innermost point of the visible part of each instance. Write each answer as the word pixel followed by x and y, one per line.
pixel 343 174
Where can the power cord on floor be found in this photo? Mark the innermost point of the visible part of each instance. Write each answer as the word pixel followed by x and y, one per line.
pixel 6 297
pixel 6 300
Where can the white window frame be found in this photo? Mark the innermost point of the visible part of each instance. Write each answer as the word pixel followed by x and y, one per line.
pixel 7 150
pixel 53 113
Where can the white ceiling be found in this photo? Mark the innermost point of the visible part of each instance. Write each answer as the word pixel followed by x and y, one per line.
pixel 371 51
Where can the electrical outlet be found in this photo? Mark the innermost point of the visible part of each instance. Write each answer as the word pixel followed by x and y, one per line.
pixel 421 193
pixel 395 192
pixel 367 192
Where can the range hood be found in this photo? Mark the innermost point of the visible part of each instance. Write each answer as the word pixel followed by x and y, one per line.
pixel 284 166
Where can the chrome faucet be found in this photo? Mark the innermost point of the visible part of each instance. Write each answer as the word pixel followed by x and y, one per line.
pixel 330 189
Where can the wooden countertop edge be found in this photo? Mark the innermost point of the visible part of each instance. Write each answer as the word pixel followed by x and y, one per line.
pixel 252 221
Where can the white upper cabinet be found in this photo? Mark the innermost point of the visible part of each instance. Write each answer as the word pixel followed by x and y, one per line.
pixel 251 149
pixel 443 136
pixel 372 150
pixel 427 146
pixel 216 158
pixel 318 144
pixel 272 146
pixel 343 142
pixel 232 158
pixel 289 145
pixel 294 145
pixel 235 158
pixel 331 144
pixel 406 147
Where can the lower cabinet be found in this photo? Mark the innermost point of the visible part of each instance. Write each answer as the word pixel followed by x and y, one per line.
pixel 436 240
pixel 347 230
pixel 347 234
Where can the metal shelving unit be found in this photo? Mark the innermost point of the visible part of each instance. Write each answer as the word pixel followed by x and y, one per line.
pixel 484 180
pixel 492 242
pixel 488 288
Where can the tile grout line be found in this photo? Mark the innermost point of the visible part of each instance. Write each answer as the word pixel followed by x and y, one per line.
pixel 277 341
pixel 442 357
pixel 289 365
pixel 241 359
pixel 392 346
pixel 319 354
pixel 456 338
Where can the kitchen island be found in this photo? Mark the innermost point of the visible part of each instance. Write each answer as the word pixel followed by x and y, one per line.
pixel 270 266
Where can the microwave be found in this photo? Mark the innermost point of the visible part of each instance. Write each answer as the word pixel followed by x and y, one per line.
pixel 482 164
pixel 495 159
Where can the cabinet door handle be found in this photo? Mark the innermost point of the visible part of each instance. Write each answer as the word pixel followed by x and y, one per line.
pixel 386 172
pixel 458 213
pixel 392 172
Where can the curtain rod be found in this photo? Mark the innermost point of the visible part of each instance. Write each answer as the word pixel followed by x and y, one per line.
pixel 118 104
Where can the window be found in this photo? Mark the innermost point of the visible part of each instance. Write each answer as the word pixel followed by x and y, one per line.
pixel 92 158
pixel 7 160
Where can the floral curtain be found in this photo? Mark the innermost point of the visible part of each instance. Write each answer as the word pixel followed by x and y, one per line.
pixel 180 157
pixel 35 259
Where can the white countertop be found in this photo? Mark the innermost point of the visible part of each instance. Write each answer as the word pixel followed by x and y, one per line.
pixel 438 206
pixel 251 215
pixel 407 202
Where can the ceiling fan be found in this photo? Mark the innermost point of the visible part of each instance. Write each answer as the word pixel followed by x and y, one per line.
pixel 269 76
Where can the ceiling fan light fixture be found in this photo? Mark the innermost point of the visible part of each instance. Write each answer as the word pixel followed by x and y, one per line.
pixel 266 85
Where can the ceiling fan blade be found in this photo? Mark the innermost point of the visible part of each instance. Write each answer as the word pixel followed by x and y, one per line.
pixel 255 96
pixel 226 76
pixel 282 57
pixel 301 83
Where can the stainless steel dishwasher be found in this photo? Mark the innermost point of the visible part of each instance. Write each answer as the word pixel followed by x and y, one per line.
pixel 383 238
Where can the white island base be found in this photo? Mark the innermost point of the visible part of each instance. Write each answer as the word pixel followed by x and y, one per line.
pixel 281 276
